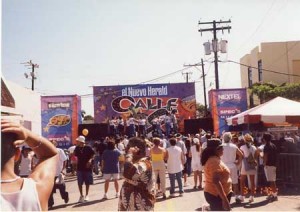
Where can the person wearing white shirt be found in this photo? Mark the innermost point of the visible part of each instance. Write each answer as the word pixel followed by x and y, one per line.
pixel 173 155
pixel 230 153
pixel 58 181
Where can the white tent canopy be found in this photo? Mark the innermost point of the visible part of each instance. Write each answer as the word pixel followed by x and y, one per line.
pixel 277 110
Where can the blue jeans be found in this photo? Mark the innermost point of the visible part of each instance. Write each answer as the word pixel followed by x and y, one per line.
pixel 168 129
pixel 178 177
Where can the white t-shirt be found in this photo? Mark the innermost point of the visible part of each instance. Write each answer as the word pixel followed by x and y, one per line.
pixel 26 199
pixel 71 149
pixel 229 154
pixel 121 148
pixel 131 121
pixel 125 142
pixel 142 122
pixel 60 162
pixel 174 160
pixel 195 155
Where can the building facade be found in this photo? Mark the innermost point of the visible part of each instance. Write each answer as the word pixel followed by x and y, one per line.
pixel 282 57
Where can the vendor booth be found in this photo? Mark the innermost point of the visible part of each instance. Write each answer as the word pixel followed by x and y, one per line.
pixel 277 116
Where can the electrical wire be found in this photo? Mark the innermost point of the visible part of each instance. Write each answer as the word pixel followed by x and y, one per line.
pixel 267 70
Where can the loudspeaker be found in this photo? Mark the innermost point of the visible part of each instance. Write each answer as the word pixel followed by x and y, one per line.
pixel 192 126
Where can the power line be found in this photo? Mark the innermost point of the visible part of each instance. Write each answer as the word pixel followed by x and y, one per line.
pixel 267 70
pixel 259 26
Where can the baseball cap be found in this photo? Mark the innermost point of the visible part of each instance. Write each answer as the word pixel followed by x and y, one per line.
pixel 81 139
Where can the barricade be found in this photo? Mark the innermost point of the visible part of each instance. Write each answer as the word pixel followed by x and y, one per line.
pixel 288 169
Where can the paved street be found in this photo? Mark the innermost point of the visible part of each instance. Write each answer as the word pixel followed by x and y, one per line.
pixel 191 201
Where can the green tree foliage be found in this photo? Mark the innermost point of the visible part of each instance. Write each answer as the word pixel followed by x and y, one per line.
pixel 200 110
pixel 269 90
pixel 88 117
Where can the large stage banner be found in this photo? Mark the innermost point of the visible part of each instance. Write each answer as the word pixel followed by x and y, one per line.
pixel 225 103
pixel 150 99
pixel 60 118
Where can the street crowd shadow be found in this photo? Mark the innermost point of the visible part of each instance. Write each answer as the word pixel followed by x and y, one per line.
pixel 190 190
pixel 250 205
pixel 90 203
pixel 61 206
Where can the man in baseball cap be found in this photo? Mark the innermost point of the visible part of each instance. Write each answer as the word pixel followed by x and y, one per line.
pixel 85 156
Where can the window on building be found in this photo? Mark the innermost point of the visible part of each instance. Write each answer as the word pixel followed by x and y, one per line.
pixel 259 67
pixel 249 77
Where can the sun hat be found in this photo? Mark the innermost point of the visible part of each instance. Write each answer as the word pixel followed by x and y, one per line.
pixel 178 135
pixel 248 138
pixel 81 139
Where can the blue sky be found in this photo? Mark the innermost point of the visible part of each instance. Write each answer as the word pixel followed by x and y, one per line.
pixel 79 44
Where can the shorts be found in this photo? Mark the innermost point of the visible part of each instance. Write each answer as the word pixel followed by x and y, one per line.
pixel 85 177
pixel 114 176
pixel 270 172
pixel 234 174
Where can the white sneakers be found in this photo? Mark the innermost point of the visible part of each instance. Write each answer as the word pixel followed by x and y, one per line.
pixel 81 199
pixel 117 195
pixel 251 199
pixel 242 199
pixel 105 196
pixel 172 195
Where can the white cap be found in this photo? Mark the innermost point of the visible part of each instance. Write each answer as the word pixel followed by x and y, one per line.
pixel 81 139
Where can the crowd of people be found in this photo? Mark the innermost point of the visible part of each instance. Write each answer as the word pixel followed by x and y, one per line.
pixel 228 163
pixel 142 125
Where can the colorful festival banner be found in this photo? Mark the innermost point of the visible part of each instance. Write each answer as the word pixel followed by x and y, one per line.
pixel 151 99
pixel 225 103
pixel 60 118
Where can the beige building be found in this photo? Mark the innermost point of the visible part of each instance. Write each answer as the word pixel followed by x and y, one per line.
pixel 282 57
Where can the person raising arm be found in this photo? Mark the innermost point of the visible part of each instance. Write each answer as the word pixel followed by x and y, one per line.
pixel 32 193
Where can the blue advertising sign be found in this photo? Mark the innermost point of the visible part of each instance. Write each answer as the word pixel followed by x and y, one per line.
pixel 225 103
pixel 57 120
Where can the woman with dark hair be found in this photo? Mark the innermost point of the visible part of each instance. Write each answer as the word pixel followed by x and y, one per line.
pixel 218 186
pixel 188 164
pixel 137 192
pixel 32 193
pixel 110 167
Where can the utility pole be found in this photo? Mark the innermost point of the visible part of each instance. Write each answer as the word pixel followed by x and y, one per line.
pixel 187 76
pixel 203 77
pixel 32 75
pixel 215 42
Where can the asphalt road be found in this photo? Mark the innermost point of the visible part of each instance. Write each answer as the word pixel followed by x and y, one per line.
pixel 192 200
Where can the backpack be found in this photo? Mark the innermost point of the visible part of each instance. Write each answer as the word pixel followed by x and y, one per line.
pixel 250 162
